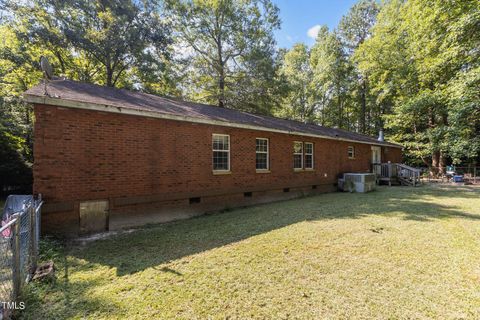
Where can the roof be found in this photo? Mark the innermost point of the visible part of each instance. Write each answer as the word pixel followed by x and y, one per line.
pixel 75 94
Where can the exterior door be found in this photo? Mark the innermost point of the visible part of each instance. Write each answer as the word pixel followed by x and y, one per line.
pixel 376 159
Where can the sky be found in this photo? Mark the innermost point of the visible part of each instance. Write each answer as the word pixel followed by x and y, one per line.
pixel 301 19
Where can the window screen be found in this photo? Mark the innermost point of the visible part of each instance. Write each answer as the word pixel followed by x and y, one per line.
pixel 308 155
pixel 298 155
pixel 261 154
pixel 221 152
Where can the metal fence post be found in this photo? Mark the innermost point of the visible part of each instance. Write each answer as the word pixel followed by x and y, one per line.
pixel 38 222
pixel 33 239
pixel 16 259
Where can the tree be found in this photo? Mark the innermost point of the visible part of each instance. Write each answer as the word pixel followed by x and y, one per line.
pixel 463 135
pixel 331 77
pixel 354 28
pixel 460 52
pixel 299 103
pixel 18 71
pixel 230 47
pixel 15 172
pixel 113 36
pixel 317 82
pixel 423 63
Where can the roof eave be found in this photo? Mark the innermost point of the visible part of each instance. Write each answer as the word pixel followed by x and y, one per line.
pixel 36 99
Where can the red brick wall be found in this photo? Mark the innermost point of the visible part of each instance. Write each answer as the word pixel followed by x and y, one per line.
pixel 87 155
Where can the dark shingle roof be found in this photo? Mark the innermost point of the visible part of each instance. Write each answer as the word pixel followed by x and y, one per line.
pixel 67 90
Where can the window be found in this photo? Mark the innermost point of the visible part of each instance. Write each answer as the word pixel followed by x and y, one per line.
pixel 297 155
pixel 221 152
pixel 351 152
pixel 262 154
pixel 308 155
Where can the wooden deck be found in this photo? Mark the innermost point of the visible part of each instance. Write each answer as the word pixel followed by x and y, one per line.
pixel 396 173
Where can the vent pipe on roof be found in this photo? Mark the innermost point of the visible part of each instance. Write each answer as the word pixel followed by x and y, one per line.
pixel 381 136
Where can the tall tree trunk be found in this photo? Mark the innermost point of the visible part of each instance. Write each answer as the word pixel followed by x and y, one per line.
pixel 368 120
pixel 340 111
pixel 221 87
pixel 443 156
pixel 441 162
pixel 109 76
pixel 221 72
pixel 364 106
pixel 436 152
pixel 435 162
pixel 60 59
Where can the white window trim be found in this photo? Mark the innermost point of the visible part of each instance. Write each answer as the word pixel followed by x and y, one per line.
pixel 228 151
pixel 312 154
pixel 353 152
pixel 268 154
pixel 301 154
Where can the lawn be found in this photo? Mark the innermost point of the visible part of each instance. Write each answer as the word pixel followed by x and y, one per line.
pixel 398 252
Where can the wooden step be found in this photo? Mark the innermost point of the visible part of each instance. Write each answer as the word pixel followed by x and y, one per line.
pixel 408 181
pixel 397 173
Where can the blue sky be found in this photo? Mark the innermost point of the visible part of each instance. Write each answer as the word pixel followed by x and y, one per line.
pixel 299 16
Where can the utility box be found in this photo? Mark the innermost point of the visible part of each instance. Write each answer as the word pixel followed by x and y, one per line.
pixel 357 182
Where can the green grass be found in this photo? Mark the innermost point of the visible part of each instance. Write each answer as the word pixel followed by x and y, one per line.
pixel 396 253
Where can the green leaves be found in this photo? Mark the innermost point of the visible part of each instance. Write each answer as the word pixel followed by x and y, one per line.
pixel 230 53
pixel 422 60
pixel 324 84
pixel 316 82
pixel 354 28
pixel 96 41
pixel 298 74
pixel 464 115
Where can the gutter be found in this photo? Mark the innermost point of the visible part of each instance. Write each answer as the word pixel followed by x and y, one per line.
pixel 35 99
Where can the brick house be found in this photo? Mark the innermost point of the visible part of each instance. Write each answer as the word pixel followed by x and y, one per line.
pixel 107 158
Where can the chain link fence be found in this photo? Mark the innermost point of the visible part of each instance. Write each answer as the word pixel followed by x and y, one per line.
pixel 469 175
pixel 19 238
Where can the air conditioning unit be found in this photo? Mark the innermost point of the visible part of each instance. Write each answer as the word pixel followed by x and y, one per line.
pixel 357 182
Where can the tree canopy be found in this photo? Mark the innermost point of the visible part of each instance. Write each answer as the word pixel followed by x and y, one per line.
pixel 231 50
pixel 423 61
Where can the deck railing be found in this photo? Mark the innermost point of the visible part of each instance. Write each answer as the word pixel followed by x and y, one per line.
pixel 400 172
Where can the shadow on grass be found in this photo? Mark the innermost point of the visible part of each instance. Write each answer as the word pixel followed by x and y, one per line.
pixel 63 300
pixel 455 190
pixel 159 244
pixel 60 298
pixel 156 245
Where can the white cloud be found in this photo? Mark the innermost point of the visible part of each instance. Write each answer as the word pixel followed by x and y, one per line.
pixel 313 31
